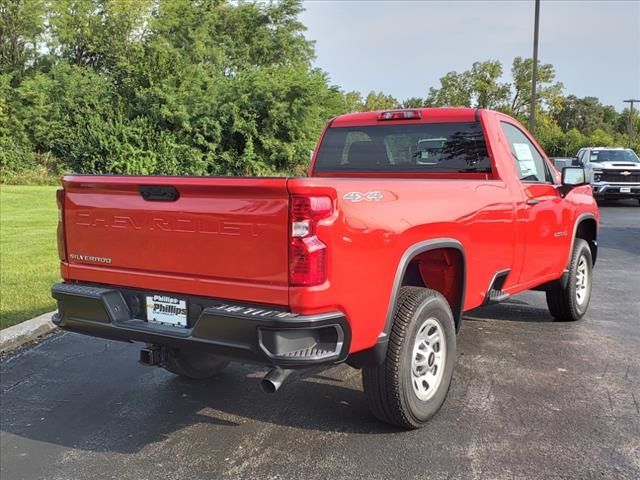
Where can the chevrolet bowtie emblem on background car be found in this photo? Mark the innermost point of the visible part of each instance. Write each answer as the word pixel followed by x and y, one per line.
pixel 625 173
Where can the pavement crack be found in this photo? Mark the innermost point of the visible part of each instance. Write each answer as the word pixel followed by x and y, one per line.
pixel 635 402
pixel 14 385
pixel 610 403
pixel 490 389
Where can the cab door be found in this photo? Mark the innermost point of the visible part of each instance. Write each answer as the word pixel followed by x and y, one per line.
pixel 544 214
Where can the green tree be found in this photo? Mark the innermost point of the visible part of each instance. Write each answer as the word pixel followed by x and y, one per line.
pixel 100 34
pixel 165 86
pixel 379 101
pixel 601 138
pixel 352 101
pixel 486 89
pixel 586 115
pixel 21 32
pixel 573 141
pixel 213 87
pixel 478 87
pixel 548 92
pixel 454 91
pixel 413 102
pixel 549 134
pixel 621 123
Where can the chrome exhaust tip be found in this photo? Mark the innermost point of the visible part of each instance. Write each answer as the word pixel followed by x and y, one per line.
pixel 274 379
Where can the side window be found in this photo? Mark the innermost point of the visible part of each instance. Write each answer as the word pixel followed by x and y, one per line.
pixel 529 163
pixel 581 157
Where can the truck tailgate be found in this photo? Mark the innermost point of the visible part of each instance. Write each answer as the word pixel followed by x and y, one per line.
pixel 221 237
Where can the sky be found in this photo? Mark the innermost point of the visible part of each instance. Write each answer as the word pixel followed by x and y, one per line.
pixel 403 47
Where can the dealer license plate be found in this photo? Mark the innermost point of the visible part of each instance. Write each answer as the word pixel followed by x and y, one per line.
pixel 625 189
pixel 167 310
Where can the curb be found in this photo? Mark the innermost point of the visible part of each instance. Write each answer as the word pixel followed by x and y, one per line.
pixel 25 332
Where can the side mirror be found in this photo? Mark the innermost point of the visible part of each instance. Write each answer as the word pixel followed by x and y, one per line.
pixel 573 177
pixel 575 162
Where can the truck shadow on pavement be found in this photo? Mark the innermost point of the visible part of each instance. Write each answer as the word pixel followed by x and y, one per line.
pixel 99 399
pixel 89 394
pixel 512 310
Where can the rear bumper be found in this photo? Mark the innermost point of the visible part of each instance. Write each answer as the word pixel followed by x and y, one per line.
pixel 239 332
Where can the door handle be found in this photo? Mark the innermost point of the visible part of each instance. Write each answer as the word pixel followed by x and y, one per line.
pixel 159 193
pixel 533 201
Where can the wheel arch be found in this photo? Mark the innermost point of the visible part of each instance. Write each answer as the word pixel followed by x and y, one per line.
pixel 586 228
pixel 406 275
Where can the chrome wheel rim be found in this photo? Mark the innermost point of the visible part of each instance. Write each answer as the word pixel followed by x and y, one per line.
pixel 582 280
pixel 428 359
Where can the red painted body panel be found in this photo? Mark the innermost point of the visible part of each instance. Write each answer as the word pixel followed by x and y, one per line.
pixel 211 241
pixel 366 241
pixel 228 237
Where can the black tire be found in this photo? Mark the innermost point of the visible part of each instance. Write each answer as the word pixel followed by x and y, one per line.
pixel 389 388
pixel 563 302
pixel 195 365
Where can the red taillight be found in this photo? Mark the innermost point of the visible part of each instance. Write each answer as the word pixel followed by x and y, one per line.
pixel 308 262
pixel 307 254
pixel 62 247
pixel 400 115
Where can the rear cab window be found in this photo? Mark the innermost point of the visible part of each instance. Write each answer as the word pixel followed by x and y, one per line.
pixel 401 148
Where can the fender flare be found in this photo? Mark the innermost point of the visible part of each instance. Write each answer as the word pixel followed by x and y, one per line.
pixel 376 354
pixel 579 219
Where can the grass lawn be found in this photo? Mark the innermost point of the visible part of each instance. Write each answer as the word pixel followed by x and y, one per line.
pixel 28 252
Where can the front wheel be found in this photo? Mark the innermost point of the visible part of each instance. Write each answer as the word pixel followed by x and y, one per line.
pixel 195 365
pixel 570 303
pixel 411 384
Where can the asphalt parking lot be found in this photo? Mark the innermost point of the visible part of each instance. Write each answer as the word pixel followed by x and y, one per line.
pixel 530 398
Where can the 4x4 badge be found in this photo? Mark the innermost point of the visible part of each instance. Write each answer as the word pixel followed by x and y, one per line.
pixel 367 197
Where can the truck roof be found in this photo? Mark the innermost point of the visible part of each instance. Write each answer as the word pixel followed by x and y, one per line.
pixel 608 148
pixel 428 115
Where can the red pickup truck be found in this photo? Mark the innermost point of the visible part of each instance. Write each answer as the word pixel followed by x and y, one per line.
pixel 409 218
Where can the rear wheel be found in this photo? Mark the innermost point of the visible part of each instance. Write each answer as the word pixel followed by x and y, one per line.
pixel 412 383
pixel 196 365
pixel 570 303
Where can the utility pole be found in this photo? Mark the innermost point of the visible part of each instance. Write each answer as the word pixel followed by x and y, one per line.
pixel 534 75
pixel 630 123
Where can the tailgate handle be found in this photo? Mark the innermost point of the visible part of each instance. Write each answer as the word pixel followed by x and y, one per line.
pixel 159 193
